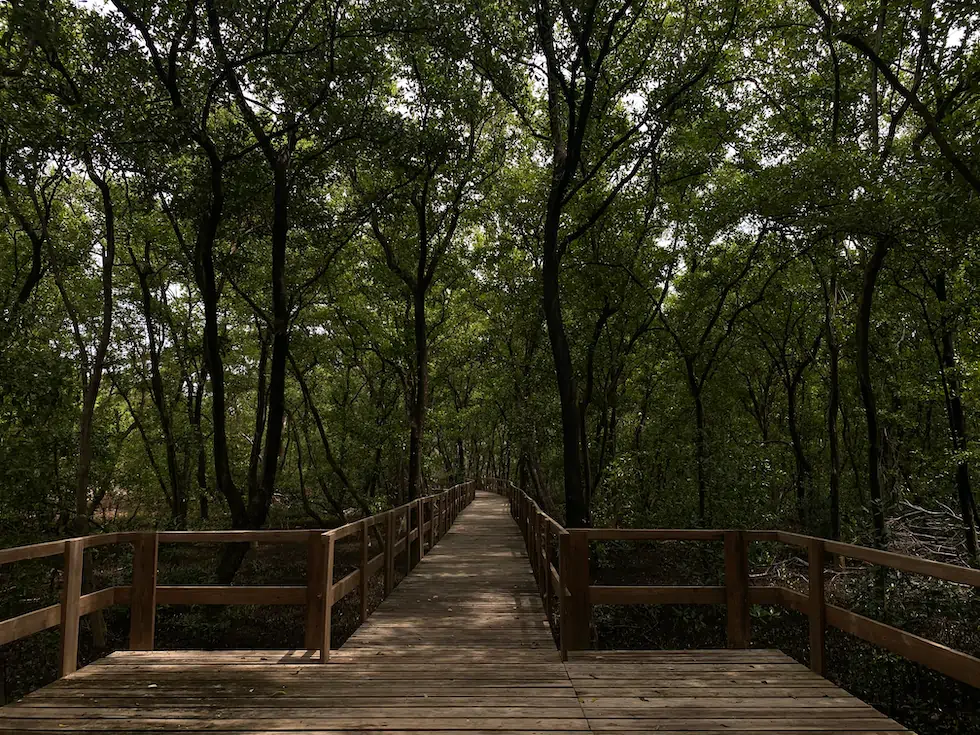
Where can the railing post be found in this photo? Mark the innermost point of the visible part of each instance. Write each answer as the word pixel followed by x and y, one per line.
pixel 71 593
pixel 547 570
pixel 420 512
pixel 143 593
pixel 816 606
pixel 365 557
pixel 432 524
pixel 390 553
pixel 563 554
pixel 327 540
pixel 315 599
pixel 577 579
pixel 737 589
pixel 538 536
pixel 408 540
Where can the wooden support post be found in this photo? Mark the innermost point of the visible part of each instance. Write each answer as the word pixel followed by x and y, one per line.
pixel 365 579
pixel 408 540
pixel 530 546
pixel 390 553
pixel 547 570
pixel 538 536
pixel 432 524
pixel 816 607
pixel 737 589
pixel 143 594
pixel 577 580
pixel 71 592
pixel 327 540
pixel 420 512
pixel 564 551
pixel 315 599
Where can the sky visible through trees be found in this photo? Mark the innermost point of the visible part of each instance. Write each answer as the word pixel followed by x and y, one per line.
pixel 682 264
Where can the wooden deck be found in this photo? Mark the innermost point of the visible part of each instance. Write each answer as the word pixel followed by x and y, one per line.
pixel 462 645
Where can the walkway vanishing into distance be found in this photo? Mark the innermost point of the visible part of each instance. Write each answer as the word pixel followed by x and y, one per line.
pixel 462 645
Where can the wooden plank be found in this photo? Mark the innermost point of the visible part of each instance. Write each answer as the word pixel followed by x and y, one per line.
pixel 100 600
pixel 364 576
pixel 260 536
pixel 795 600
pixel 761 535
pixel 561 583
pixel 315 593
pixel 420 531
pixel 408 540
pixel 71 591
pixel 652 534
pixel 737 589
pixel 14 629
pixel 432 524
pixel 547 569
pixel 765 596
pixel 576 579
pixel 206 594
pixel 389 554
pixel 327 586
pixel 143 593
pixel 345 586
pixel 952 663
pixel 817 608
pixel 902 562
pixel 656 595
pixel 106 539
pixel 348 529
pixel 33 551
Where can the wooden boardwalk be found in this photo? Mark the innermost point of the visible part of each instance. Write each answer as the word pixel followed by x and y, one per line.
pixel 462 645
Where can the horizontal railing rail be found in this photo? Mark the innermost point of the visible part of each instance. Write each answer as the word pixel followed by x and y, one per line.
pixel 414 527
pixel 580 595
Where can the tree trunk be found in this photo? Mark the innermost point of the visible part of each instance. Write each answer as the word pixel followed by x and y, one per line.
pixel 700 452
pixel 178 491
pixel 204 252
pixel 863 334
pixel 957 420
pixel 576 509
pixel 833 403
pixel 803 471
pixel 259 504
pixel 700 443
pixel 420 393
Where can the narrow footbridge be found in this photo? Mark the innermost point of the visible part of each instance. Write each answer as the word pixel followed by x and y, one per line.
pixel 463 644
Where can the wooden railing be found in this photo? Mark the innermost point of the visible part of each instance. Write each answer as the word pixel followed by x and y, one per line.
pixel 737 594
pixel 415 526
